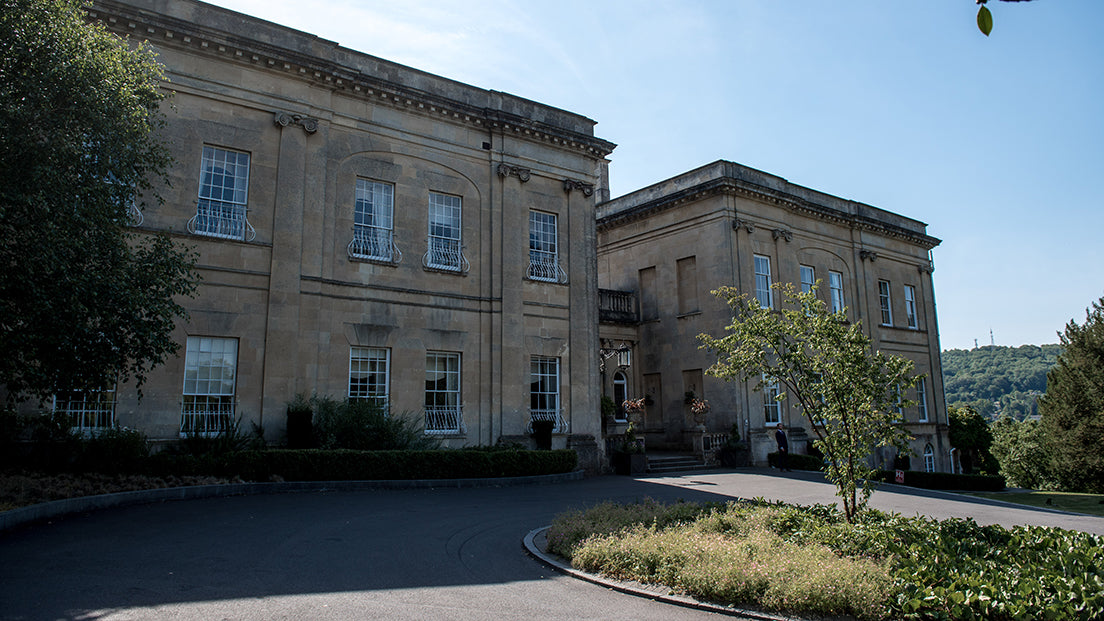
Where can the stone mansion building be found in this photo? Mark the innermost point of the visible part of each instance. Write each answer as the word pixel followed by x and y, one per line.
pixel 361 231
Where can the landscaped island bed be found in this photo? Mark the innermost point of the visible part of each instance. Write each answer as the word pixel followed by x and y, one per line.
pixel 809 560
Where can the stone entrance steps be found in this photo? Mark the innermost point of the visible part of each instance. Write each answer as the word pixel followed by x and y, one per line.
pixel 660 463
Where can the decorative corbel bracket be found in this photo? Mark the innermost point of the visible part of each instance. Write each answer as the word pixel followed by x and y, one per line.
pixel 283 119
pixel 505 170
pixel 571 184
pixel 737 224
pixel 783 233
pixel 868 255
pixel 925 268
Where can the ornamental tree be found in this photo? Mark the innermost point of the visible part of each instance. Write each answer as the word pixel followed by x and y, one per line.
pixel 849 395
pixel 1072 409
pixel 85 300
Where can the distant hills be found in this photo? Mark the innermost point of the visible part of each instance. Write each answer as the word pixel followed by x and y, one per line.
pixel 998 380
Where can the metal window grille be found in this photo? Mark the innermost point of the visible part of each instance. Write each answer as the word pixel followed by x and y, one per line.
pixel 87 410
pixel 223 195
pixel 373 222
pixel 544 263
pixel 442 420
pixel 369 372
pixel 884 302
pixel 210 367
pixel 835 286
pixel 442 393
pixel 763 293
pixel 444 249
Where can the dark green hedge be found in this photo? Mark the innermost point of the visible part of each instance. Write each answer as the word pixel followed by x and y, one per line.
pixel 913 478
pixel 796 462
pixel 945 480
pixel 349 465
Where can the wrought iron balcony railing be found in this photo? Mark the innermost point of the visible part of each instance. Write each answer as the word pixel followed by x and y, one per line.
pixel 545 266
pixel 444 419
pixel 548 414
pixel 221 219
pixel 373 243
pixel 445 253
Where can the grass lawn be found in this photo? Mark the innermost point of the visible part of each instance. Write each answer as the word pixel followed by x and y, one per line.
pixel 1092 504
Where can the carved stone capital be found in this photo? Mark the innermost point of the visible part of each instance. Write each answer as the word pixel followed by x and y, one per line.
pixel 868 255
pixel 783 233
pixel 572 184
pixel 505 170
pixel 925 268
pixel 738 224
pixel 283 119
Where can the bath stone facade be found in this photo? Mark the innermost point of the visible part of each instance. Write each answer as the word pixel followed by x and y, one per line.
pixel 672 243
pixel 366 229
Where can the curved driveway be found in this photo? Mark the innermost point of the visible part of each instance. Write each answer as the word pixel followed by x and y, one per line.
pixel 398 554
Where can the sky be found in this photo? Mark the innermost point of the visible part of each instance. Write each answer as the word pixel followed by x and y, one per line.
pixel 996 143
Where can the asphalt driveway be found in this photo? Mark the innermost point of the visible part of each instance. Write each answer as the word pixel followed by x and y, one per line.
pixel 394 554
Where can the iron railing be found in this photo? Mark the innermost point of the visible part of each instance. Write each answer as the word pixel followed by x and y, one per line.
pixel 204 415
pixel 221 219
pixel 560 425
pixel 445 253
pixel 444 419
pixel 374 244
pixel 545 266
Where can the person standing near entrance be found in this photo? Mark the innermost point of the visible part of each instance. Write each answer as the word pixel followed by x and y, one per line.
pixel 783 448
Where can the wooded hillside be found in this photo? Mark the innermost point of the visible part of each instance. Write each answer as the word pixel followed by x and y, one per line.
pixel 998 380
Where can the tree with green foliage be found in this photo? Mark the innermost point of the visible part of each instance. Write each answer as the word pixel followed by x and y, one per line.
pixel 1072 410
pixel 85 300
pixel 996 380
pixel 849 394
pixel 1021 454
pixel 969 433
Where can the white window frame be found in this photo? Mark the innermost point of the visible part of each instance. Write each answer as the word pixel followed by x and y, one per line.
pixel 370 374
pixel 222 206
pixel 87 410
pixel 885 302
pixel 772 407
pixel 374 222
pixel 544 392
pixel 544 257
pixel 763 292
pixel 620 394
pixel 835 287
pixel 444 245
pixel 922 399
pixel 808 277
pixel 929 458
pixel 210 385
pixel 910 307
pixel 443 405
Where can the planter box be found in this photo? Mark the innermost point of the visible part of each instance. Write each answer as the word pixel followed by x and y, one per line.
pixel 629 463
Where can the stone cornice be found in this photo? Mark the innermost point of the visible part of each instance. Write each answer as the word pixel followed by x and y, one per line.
pixel 744 189
pixel 167 31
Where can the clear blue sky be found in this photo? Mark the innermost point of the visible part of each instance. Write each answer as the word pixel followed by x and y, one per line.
pixel 996 143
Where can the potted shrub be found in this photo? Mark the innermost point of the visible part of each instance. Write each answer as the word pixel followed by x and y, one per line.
pixel 628 457
pixel 734 453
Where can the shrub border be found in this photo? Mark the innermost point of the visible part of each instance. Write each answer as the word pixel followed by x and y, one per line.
pixel 68 506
